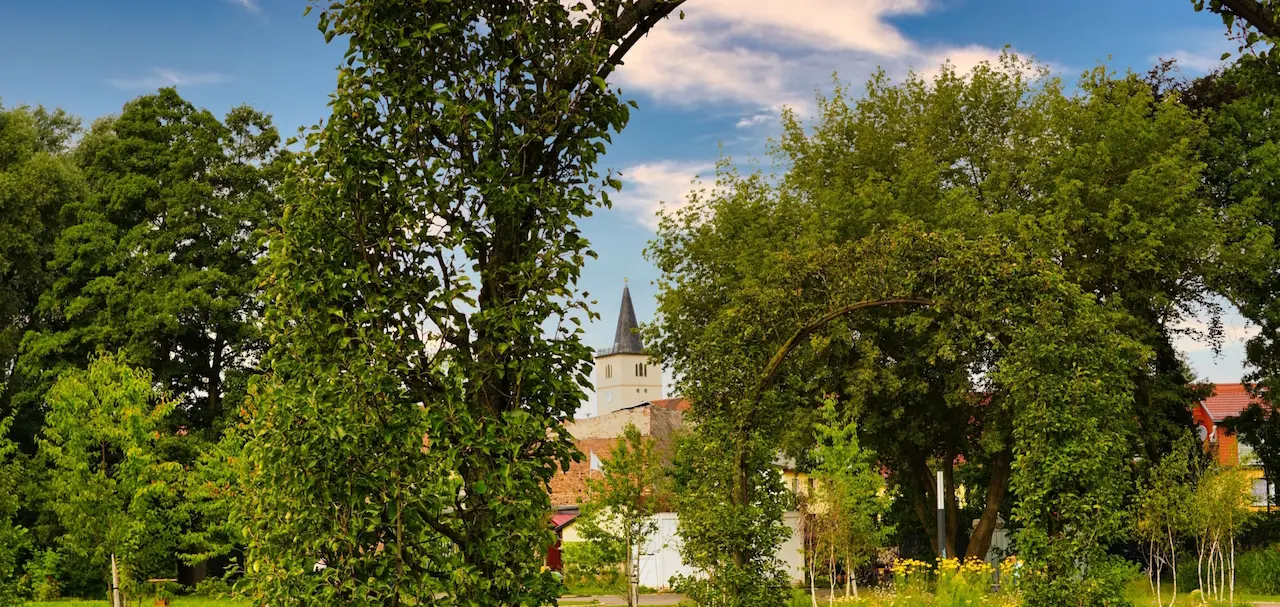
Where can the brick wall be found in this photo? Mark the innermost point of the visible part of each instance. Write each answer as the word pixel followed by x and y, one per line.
pixel 599 435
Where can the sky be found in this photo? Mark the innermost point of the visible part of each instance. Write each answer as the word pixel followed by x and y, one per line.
pixel 710 84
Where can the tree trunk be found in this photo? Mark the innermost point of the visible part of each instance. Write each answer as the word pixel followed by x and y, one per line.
pixel 1173 565
pixel 215 382
pixel 1233 569
pixel 1159 590
pixel 813 574
pixel 848 574
pixel 115 583
pixel 626 571
pixel 1200 564
pixel 831 571
pixel 980 542
pixel 924 501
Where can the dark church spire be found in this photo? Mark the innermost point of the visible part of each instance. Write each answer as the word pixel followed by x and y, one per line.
pixel 625 339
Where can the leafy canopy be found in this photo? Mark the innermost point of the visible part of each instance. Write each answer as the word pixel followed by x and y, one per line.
pixel 112 492
pixel 422 318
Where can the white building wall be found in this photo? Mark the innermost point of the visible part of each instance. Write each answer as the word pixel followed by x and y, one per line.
pixel 660 559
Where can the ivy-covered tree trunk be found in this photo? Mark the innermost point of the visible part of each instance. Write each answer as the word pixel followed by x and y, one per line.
pixel 424 307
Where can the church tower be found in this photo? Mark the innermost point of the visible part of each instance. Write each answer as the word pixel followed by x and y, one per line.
pixel 624 376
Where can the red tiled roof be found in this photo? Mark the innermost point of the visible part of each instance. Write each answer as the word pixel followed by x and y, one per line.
pixel 560 519
pixel 1228 400
pixel 675 404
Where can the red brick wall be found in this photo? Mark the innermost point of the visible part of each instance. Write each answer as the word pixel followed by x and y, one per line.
pixel 570 488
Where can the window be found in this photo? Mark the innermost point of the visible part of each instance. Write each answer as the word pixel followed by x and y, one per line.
pixel 642 370
pixel 1245 455
pixel 1261 491
pixel 608 371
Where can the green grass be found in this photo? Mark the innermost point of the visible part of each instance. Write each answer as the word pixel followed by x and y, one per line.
pixel 1139 591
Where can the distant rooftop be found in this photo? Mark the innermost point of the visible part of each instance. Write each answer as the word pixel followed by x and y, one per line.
pixel 1228 400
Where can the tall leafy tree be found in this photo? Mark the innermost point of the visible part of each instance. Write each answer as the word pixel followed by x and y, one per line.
pixel 1005 150
pixel 745 326
pixel 109 484
pixel 422 289
pixel 158 260
pixel 1242 157
pixel 37 179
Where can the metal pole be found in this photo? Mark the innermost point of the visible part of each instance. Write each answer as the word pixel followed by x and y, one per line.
pixel 942 520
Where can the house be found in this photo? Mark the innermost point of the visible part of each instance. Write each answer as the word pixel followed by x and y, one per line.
pixel 1229 400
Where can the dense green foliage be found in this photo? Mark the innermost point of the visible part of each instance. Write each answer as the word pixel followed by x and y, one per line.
pixel 592 568
pixel 139 239
pixel 111 490
pixel 1259 569
pixel 1004 150
pixel 423 305
pixel 1099 192
pixel 37 179
pixel 13 537
pixel 157 261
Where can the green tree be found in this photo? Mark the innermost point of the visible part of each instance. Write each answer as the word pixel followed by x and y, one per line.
pixel 1221 508
pixel 109 486
pixel 620 507
pixel 745 326
pixel 1002 151
pixel 1163 510
pixel 853 495
pixel 422 293
pixel 37 179
pixel 158 260
pixel 13 538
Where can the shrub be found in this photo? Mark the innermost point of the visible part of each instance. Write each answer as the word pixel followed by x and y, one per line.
pixel 213 587
pixel 1259 569
pixel 962 583
pixel 41 576
pixel 592 568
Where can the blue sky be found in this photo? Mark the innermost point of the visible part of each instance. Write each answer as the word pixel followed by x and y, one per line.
pixel 714 81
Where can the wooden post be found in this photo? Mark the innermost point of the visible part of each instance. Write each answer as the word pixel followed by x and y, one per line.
pixel 115 583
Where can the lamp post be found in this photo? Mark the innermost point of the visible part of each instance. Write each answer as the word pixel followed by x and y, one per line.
pixel 942 520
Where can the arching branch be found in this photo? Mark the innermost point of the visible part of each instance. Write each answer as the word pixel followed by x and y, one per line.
pixel 802 332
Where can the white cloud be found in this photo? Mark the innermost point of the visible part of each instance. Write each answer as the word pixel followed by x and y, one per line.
pixel 1199 51
pixel 768 53
pixel 249 5
pixel 756 119
pixel 166 77
pixel 657 186
pixel 1236 330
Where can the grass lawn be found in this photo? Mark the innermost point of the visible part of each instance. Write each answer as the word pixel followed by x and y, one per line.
pixel 1139 591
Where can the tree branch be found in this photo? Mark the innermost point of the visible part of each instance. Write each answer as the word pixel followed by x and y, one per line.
pixel 802 332
pixel 1253 12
